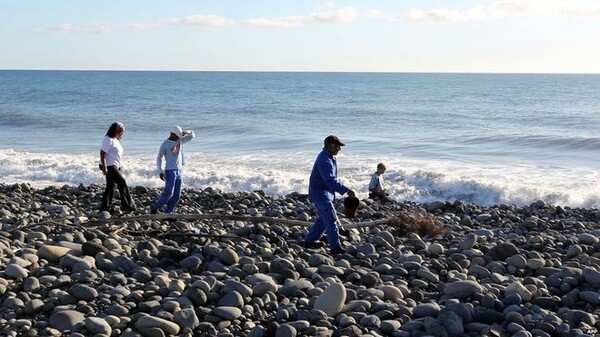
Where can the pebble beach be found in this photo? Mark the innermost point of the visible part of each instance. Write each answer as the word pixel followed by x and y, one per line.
pixel 500 270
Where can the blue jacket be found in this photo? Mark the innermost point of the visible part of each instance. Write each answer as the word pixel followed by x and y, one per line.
pixel 323 179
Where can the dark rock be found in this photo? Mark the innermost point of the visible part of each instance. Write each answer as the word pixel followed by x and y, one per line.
pixel 502 251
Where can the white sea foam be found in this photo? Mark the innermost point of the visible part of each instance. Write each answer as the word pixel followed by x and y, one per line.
pixel 282 173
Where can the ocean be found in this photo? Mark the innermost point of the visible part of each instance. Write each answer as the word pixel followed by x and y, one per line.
pixel 481 138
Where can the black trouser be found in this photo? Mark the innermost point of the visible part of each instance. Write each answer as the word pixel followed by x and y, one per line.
pixel 113 175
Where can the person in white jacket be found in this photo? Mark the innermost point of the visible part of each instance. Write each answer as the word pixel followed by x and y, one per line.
pixel 171 150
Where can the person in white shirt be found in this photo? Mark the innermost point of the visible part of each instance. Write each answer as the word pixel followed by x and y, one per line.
pixel 376 188
pixel 172 150
pixel 110 164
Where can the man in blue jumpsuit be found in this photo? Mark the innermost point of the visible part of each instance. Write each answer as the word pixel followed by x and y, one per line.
pixel 321 189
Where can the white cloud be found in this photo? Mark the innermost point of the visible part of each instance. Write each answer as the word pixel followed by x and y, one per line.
pixel 192 20
pixel 589 9
pixel 205 20
pixel 70 28
pixel 580 9
pixel 444 15
pixel 341 15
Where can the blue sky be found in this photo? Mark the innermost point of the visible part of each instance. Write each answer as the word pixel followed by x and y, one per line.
pixel 555 36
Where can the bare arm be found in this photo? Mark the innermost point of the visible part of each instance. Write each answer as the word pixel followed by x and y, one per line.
pixel 103 161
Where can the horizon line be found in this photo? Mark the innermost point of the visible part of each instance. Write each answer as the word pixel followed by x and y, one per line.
pixel 308 71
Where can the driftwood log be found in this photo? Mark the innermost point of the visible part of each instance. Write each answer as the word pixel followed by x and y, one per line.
pixel 196 217
pixel 243 218
pixel 409 221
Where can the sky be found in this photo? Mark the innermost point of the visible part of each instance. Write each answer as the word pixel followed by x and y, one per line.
pixel 498 36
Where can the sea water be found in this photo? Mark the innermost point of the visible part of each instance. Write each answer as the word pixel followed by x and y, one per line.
pixel 481 138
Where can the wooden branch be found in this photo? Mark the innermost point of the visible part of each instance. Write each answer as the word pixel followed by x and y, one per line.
pixel 160 234
pixel 244 218
pixel 43 223
pixel 118 229
pixel 193 217
pixel 365 224
pixel 201 235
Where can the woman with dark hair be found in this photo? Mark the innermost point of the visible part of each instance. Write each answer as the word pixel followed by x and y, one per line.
pixel 110 164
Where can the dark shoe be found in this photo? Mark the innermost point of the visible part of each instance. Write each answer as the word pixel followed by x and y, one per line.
pixel 337 251
pixel 153 210
pixel 128 209
pixel 312 245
